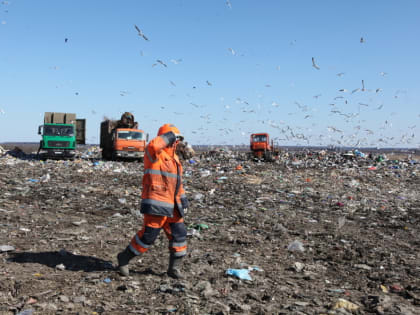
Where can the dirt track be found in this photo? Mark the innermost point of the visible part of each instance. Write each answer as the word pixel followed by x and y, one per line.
pixel 358 225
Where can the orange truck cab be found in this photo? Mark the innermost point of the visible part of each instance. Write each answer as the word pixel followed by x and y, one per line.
pixel 129 143
pixel 260 146
pixel 121 142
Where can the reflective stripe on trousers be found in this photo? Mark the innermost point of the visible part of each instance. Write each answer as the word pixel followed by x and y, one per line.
pixel 152 224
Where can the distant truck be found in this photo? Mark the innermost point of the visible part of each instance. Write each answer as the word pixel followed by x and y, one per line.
pixel 121 139
pixel 261 148
pixel 60 134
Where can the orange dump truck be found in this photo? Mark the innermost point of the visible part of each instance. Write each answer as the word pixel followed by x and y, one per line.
pixel 121 139
pixel 261 148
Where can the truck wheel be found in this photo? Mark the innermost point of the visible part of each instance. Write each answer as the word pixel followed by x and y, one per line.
pixel 113 156
pixel 268 156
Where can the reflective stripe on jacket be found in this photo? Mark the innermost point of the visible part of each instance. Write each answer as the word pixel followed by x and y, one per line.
pixel 162 180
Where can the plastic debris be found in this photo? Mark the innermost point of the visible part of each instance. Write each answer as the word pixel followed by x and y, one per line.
pixel 6 248
pixel 298 266
pixel 359 154
pixel 45 178
pixel 205 173
pixel 29 311
pixel 60 267
pixel 201 226
pixel 198 196
pixel 295 246
pixel 347 305
pixel 242 274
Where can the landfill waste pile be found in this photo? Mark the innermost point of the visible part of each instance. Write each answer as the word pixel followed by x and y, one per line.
pixel 310 233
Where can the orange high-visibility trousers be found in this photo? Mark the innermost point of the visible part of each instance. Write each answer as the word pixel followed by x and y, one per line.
pixel 152 224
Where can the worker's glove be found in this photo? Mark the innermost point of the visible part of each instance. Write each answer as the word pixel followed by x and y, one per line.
pixel 169 137
pixel 185 203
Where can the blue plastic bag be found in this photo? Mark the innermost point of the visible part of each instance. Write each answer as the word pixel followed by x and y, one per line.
pixel 358 153
pixel 242 274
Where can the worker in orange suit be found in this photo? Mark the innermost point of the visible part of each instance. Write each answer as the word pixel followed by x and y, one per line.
pixel 163 202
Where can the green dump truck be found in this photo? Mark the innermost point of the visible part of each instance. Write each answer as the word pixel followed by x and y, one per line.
pixel 60 134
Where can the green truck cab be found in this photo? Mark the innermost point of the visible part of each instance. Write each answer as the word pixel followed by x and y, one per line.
pixel 60 134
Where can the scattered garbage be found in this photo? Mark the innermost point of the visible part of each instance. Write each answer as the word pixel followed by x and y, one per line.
pixel 290 225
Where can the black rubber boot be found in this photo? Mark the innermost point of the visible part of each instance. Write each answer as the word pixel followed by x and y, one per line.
pixel 174 269
pixel 124 258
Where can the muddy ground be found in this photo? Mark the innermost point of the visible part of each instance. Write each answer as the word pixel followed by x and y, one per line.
pixel 355 224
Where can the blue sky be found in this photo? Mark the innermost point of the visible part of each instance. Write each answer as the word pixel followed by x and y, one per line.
pixel 232 68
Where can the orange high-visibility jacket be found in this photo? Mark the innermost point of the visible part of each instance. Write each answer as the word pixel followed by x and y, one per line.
pixel 162 179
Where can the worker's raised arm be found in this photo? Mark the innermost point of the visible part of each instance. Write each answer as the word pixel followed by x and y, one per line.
pixel 156 145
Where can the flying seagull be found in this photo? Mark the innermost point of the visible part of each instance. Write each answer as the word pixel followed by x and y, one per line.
pixel 140 33
pixel 162 63
pixel 314 64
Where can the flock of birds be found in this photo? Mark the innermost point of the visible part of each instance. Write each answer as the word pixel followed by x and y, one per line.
pixel 295 134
